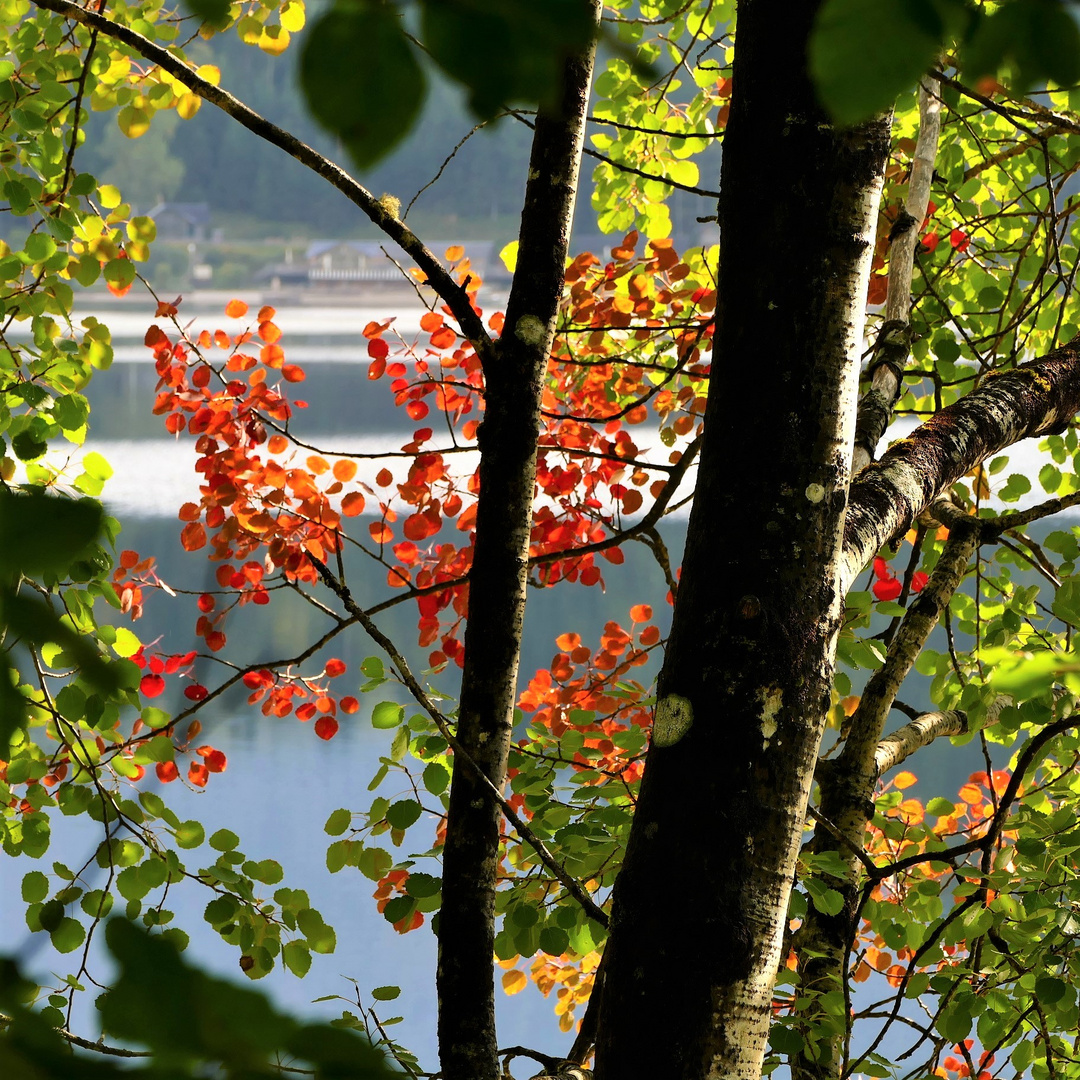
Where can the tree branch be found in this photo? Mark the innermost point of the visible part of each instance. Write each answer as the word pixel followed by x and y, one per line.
pixel 1037 398
pixel 896 748
pixel 440 279
pixel 894 345
pixel 442 722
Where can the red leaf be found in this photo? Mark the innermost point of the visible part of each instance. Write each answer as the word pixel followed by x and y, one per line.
pixel 919 580
pixel 326 727
pixel 887 589
pixel 151 686
pixel 167 771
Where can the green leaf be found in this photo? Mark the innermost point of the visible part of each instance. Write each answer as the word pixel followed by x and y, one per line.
pixel 372 667
pixel 224 840
pixel 387 714
pixel 827 901
pixel 1066 605
pixel 267 871
pixel 361 78
pixel 423 885
pixel 320 937
pixel 436 777
pixel 863 53
pixel 214 13
pixel 297 958
pixel 190 834
pixel 44 533
pixel 1025 675
pixel 1038 39
pixel 68 935
pixel 386 993
pixel 505 50
pixel 375 863
pixel 785 1040
pixel 554 940
pixel 403 813
pixel 337 822
pixel 1050 990
pixel 35 887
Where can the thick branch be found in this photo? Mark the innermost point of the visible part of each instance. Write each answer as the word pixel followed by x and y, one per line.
pixel 440 279
pixel 896 748
pixel 891 353
pixel 508 439
pixel 1037 398
pixel 847 789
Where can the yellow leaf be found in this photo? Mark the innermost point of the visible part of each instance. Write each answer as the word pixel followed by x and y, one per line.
pixel 250 29
pixel 109 196
pixel 292 16
pixel 188 106
pixel 904 780
pixel 514 982
pixel 274 40
pixel 210 73
pixel 133 122
pixel 509 256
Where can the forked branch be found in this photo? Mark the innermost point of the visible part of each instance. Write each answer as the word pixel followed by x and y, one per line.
pixel 440 279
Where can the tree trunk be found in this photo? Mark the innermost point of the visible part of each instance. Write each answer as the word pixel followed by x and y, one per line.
pixel 747 677
pixel 847 786
pixel 508 442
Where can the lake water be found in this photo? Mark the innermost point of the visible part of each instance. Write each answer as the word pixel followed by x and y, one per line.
pixel 283 782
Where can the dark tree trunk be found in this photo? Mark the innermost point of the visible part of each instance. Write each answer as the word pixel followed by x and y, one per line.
pixel 701 903
pixel 508 443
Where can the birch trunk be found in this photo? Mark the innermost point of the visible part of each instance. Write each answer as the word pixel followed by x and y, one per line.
pixel 508 441
pixel 701 904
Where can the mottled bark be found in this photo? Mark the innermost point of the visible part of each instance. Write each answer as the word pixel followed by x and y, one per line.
pixel 508 442
pixel 892 349
pixel 700 906
pixel 847 786
pixel 896 748
pixel 1037 398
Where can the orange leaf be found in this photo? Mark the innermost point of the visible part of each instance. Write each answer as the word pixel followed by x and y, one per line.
pixel 193 536
pixel 380 532
pixel 513 982
pixel 640 613
pixel 272 355
pixel 269 332
pixel 430 320
pixel 454 252
pixel 277 444
pixel 904 780
pixel 236 309
pixel 352 504
pixel 344 470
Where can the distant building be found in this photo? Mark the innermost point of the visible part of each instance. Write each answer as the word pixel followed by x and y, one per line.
pixel 338 262
pixel 182 221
